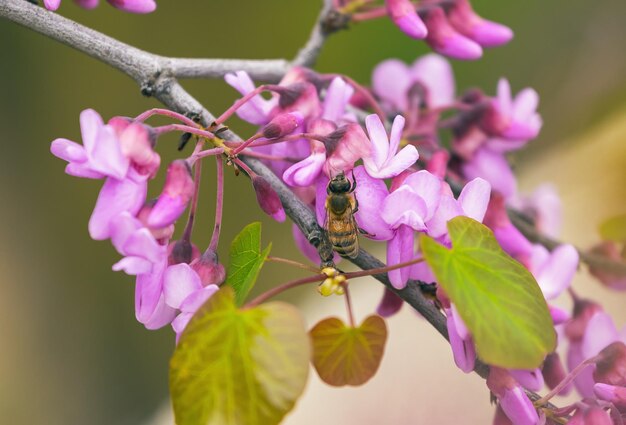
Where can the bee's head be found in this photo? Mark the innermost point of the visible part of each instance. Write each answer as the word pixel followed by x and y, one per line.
pixel 339 184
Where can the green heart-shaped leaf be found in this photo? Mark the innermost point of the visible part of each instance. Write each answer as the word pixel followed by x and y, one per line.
pixel 246 260
pixel 239 367
pixel 343 355
pixel 498 298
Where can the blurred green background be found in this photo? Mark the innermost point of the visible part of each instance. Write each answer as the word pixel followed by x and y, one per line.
pixel 71 350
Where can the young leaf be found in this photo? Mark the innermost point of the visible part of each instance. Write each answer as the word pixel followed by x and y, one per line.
pixel 497 298
pixel 614 229
pixel 239 367
pixel 246 260
pixel 344 355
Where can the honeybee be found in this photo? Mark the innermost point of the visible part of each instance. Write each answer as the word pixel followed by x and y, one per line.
pixel 340 223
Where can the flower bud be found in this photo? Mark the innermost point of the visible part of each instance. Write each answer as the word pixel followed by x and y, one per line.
pixel 484 32
pixel 554 372
pixel 403 15
pixel 282 125
pixel 609 250
pixel 208 267
pixel 444 39
pixel 611 365
pixel 513 400
pixel 268 199
pixel 612 394
pixel 301 97
pixel 181 251
pixel 177 191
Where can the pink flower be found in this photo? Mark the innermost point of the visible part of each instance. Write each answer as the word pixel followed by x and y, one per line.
pixel 268 199
pixel 553 270
pixel 514 119
pixel 513 400
pixel 403 15
pixel 392 81
pixel 256 110
pixel 101 153
pixel 461 341
pixel 385 160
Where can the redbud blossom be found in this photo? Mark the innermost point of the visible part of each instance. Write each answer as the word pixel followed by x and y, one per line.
pixel 387 159
pixel 268 199
pixel 209 269
pixel 611 365
pixel 444 39
pixel 282 125
pixel 137 142
pixel 484 32
pixel 554 372
pixel 402 13
pixel 177 191
pixel 592 415
pixel 513 400
pixel 612 394
pixel 132 6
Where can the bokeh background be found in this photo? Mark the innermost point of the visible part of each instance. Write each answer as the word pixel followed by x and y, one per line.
pixel 71 351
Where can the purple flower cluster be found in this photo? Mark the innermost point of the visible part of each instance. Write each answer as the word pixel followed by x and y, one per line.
pixel 173 280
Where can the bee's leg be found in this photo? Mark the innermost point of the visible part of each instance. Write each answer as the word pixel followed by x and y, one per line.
pixel 353 187
pixel 365 232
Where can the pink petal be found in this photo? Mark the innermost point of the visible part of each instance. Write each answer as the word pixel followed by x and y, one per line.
pixel 256 110
pixel 391 81
pixel 428 187
pixel 196 299
pixel 397 164
pixel 90 124
pixel 133 266
pixel 82 170
pixel 52 4
pixel 320 199
pixel 491 34
pixel 529 379
pixel 512 241
pixel 304 246
pixel 389 305
pixel 148 292
pixel 337 98
pixel 404 207
pixel 494 168
pixel 166 211
pixel 459 324
pixel 505 101
pixel 404 16
pixel 600 332
pixel 422 272
pixel 305 172
pixel 400 250
pixel 474 198
pixel 396 135
pixel 525 105
pixel 584 381
pixel 179 281
pixel 68 150
pixel 134 6
pixel 436 74
pixel 518 407
pixel 142 244
pixel 558 315
pixel 162 315
pixel 463 349
pixel 370 193
pixel 180 323
pixel 122 227
pixel 87 4
pixel 448 209
pixel 116 196
pixel 556 274
pixel 380 142
pixel 106 154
